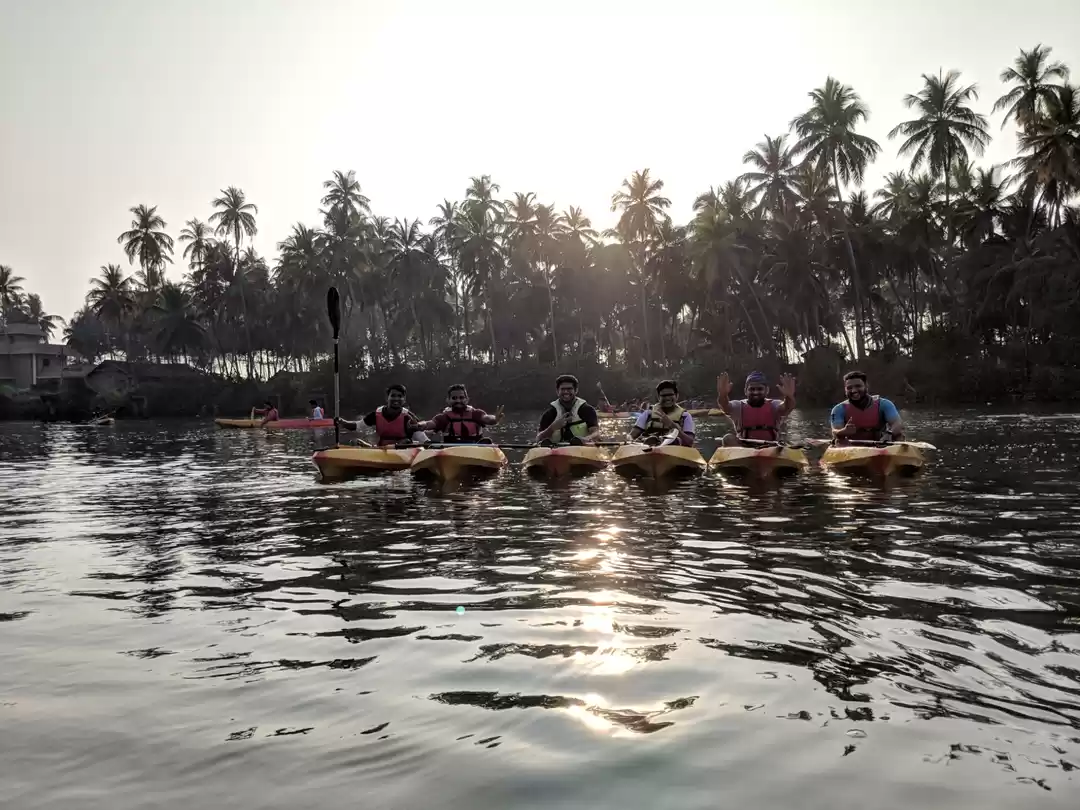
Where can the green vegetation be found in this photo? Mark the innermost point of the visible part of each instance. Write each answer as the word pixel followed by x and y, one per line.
pixel 965 279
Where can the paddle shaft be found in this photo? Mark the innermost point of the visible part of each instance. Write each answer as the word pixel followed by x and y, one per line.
pixel 442 445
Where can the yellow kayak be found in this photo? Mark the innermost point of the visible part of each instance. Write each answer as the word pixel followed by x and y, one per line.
pixel 451 463
pixel 898 458
pixel 762 461
pixel 104 421
pixel 656 462
pixel 337 462
pixel 616 415
pixel 556 461
pixel 238 423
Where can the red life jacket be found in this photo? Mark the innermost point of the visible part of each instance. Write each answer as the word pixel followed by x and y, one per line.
pixel 463 427
pixel 868 421
pixel 759 422
pixel 390 431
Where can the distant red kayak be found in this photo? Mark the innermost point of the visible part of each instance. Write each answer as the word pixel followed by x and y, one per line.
pixel 277 424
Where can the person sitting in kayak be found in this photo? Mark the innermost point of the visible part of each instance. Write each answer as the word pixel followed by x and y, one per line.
pixel 755 417
pixel 665 422
pixel 316 411
pixel 862 416
pixel 269 411
pixel 569 419
pixel 460 422
pixel 602 404
pixel 393 422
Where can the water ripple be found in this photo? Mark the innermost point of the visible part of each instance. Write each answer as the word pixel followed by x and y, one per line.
pixel 189 614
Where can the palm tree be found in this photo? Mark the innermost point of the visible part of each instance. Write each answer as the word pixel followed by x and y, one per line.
pixel 827 137
pixel 549 230
pixel 479 245
pixel 578 238
pixel 444 225
pixel 10 289
pixel 774 164
pixel 641 210
pixel 198 238
pixel 148 241
pixel 1032 75
pixel 236 216
pixel 982 206
pixel 893 198
pixel 36 313
pixel 86 335
pixel 1050 150
pixel 176 327
pixel 111 299
pixel 343 194
pixel 945 131
pixel 479 250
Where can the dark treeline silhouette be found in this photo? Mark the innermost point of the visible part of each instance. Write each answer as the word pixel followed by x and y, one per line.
pixel 972 267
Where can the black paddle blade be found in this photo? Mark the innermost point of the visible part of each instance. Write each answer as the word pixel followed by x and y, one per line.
pixel 333 309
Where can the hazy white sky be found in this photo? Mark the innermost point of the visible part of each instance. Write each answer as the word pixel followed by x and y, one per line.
pixel 105 104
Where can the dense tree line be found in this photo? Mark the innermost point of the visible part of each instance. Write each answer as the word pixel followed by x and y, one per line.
pixel 793 255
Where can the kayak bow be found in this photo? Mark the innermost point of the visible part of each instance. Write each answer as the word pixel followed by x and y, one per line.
pixel 877 460
pixel 760 461
pixel 656 462
pixel 454 462
pixel 557 461
pixel 337 462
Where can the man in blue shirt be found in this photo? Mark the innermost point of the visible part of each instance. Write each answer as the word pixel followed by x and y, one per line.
pixel 863 417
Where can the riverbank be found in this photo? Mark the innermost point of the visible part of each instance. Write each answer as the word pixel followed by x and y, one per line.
pixel 175 390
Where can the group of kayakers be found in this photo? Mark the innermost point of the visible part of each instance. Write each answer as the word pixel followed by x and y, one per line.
pixel 757 418
pixel 393 423
pixel 569 419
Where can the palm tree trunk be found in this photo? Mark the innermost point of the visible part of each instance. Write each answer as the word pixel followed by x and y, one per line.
pixel 856 285
pixel 551 315
pixel 647 354
pixel 491 328
pixel 644 306
pixel 465 326
pixel 580 333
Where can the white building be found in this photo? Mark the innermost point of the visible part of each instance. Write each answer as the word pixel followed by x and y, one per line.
pixel 26 359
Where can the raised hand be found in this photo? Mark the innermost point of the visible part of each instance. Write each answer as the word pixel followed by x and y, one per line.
pixel 666 421
pixel 848 430
pixel 498 414
pixel 723 386
pixel 786 386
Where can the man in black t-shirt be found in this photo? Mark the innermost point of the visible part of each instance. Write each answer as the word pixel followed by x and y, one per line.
pixel 393 423
pixel 569 419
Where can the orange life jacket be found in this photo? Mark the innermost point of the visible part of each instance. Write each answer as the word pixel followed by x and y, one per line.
pixel 390 431
pixel 463 427
pixel 759 422
pixel 868 421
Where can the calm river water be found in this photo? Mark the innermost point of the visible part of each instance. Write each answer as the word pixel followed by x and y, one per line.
pixel 189 619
